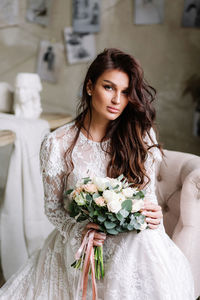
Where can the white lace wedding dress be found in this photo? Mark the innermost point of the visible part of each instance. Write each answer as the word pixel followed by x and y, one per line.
pixel 144 266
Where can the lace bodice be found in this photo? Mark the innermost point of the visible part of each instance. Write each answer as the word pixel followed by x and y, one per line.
pixel 89 159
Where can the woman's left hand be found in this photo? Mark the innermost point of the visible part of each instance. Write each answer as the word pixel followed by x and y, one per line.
pixel 153 214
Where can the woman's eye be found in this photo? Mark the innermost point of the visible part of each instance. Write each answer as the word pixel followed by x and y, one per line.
pixel 125 92
pixel 108 87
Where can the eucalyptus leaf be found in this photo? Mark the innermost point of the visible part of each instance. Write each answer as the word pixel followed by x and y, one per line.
pixel 96 195
pixel 119 216
pixel 116 187
pixel 140 219
pixel 112 218
pixel 130 227
pixel 109 225
pixel 112 231
pixel 119 229
pixel 89 197
pixel 68 192
pixel 101 218
pixel 127 205
pixel 86 180
pixel 124 213
pixel 139 195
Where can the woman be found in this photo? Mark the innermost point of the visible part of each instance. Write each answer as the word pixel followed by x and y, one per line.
pixel 111 135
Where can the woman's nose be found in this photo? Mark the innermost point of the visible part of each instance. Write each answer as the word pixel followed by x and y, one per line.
pixel 116 98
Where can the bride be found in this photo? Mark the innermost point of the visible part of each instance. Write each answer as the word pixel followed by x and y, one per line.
pixel 112 134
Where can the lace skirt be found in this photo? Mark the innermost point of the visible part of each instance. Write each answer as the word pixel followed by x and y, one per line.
pixel 147 266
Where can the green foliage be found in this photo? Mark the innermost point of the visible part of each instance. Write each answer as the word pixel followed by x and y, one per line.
pixel 109 225
pixel 68 192
pixel 112 231
pixel 86 180
pixel 101 218
pixel 139 195
pixel 124 213
pixel 127 205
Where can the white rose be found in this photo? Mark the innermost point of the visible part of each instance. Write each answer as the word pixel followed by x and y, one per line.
pixel 114 206
pixel 111 195
pixel 114 182
pixel 80 200
pixel 121 197
pixel 137 205
pixel 128 192
pixel 101 183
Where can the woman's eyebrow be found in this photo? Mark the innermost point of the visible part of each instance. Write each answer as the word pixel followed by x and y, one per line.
pixel 109 82
pixel 126 88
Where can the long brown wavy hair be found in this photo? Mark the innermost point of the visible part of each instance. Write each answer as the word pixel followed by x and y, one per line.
pixel 127 148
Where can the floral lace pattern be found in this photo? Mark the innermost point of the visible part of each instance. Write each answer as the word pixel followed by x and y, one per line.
pixel 145 266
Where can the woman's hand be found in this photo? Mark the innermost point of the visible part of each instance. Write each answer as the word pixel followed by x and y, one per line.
pixel 99 237
pixel 153 214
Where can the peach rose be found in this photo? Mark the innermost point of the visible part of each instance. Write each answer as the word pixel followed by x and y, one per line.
pixel 100 201
pixel 90 188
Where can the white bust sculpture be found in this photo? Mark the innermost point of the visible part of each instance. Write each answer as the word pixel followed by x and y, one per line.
pixel 27 95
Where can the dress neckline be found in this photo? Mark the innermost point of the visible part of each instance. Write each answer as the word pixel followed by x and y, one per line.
pixel 86 139
pixel 83 137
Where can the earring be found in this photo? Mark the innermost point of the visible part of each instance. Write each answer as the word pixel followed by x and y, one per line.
pixel 89 93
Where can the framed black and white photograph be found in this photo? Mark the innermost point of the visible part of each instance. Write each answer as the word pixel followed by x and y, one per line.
pixel 148 12
pixel 80 47
pixel 50 60
pixel 9 10
pixel 86 15
pixel 38 11
pixel 191 14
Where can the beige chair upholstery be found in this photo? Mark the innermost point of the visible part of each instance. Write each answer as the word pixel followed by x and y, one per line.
pixel 178 191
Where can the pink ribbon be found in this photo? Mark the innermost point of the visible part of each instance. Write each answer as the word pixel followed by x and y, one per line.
pixel 87 245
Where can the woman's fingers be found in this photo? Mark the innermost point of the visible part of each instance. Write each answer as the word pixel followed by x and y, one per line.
pixel 99 235
pixel 151 206
pixel 98 243
pixel 92 226
pixel 153 221
pixel 153 214
pixel 152 226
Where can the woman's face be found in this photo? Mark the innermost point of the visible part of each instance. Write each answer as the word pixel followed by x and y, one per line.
pixel 109 95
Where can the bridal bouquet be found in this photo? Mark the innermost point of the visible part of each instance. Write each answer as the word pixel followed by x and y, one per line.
pixel 112 204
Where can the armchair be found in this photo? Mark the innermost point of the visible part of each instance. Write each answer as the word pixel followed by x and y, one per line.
pixel 178 192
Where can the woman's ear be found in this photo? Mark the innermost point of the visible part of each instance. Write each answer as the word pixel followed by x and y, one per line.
pixel 89 87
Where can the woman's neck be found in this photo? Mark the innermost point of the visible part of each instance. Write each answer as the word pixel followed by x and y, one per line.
pixel 97 128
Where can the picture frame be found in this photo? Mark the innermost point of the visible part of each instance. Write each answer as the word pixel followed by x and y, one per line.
pixel 191 13
pixel 38 11
pixel 148 12
pixel 80 47
pixel 9 13
pixel 86 16
pixel 49 62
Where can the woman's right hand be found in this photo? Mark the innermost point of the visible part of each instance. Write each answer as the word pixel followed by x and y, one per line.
pixel 99 237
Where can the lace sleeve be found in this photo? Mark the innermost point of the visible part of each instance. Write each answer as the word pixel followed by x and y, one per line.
pixel 53 173
pixel 154 157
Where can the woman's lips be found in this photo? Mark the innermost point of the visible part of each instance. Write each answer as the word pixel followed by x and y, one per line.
pixel 112 109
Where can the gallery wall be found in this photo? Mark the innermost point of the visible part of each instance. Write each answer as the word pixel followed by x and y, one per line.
pixel 168 53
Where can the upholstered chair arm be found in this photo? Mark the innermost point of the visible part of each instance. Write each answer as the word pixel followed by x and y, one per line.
pixel 178 189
